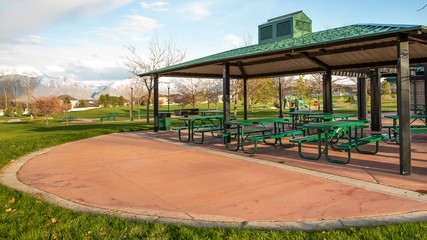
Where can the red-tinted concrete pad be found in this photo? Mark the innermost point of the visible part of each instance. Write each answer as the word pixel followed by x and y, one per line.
pixel 145 176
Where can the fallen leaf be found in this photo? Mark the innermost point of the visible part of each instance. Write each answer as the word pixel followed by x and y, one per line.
pixel 12 200
pixel 53 220
pixel 9 210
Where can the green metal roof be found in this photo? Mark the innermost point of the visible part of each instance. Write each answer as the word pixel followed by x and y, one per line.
pixel 357 31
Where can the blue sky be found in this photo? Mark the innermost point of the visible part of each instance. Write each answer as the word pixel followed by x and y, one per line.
pixel 85 38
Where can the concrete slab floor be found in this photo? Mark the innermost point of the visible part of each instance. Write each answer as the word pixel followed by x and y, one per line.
pixel 153 174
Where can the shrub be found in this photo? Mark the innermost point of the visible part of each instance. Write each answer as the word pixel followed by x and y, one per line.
pixel 19 110
pixel 10 112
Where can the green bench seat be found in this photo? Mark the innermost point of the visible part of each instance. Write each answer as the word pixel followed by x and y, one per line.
pixel 347 146
pixel 179 129
pixel 309 138
pixel 200 126
pixel 210 129
pixel 275 136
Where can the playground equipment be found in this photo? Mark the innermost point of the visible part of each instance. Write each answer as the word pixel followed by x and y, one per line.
pixel 294 102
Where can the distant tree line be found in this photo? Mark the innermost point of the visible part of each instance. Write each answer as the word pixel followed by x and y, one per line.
pixel 111 101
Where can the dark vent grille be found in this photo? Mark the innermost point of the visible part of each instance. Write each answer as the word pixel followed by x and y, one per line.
pixel 267 32
pixel 283 28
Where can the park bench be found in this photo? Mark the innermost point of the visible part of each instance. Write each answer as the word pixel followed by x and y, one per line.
pixel 70 118
pixel 108 118
pixel 308 138
pixel 275 136
pixel 347 146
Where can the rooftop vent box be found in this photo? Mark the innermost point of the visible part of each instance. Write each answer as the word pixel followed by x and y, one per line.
pixel 288 26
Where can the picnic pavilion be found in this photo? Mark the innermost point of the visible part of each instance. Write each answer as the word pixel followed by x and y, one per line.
pixel 287 46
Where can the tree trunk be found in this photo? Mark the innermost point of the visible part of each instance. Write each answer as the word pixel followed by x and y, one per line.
pixel 47 119
pixel 66 117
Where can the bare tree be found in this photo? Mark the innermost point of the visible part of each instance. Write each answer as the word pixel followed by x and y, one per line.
pixel 236 86
pixel 5 86
pixel 206 88
pixel 139 91
pixel 189 87
pixel 15 86
pixel 65 107
pixel 159 55
pixel 29 84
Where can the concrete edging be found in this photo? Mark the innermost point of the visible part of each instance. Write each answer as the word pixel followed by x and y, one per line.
pixel 8 177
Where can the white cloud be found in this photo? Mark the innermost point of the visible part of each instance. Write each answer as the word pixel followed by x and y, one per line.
pixel 35 40
pixel 233 39
pixel 17 17
pixel 54 69
pixel 155 6
pixel 133 28
pixel 197 10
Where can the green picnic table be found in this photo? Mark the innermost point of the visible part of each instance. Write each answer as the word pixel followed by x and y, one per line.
pixel 215 121
pixel 254 126
pixel 327 131
pixel 414 128
pixel 299 117
pixel 210 112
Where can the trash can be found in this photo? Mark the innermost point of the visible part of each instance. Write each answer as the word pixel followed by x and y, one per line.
pixel 292 109
pixel 164 121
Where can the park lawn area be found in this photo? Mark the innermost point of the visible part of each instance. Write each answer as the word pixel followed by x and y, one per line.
pixel 23 216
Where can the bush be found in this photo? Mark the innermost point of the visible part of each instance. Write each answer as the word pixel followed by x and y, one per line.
pixel 10 112
pixel 19 110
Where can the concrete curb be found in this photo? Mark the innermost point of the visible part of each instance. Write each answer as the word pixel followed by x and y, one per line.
pixel 8 177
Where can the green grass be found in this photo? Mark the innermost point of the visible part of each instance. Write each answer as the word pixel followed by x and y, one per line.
pixel 23 216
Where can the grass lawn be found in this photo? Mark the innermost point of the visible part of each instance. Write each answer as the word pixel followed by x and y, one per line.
pixel 23 216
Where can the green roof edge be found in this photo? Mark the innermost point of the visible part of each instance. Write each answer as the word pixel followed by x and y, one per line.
pixel 199 61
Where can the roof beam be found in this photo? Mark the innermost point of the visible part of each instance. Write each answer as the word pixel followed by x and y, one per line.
pixel 378 64
pixel 284 73
pixel 242 69
pixel 316 61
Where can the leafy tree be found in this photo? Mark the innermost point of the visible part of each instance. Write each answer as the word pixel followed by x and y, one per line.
pixel 46 106
pixel 101 100
pixel 83 104
pixel 121 101
pixel 267 90
pixel 10 111
pixel 19 110
pixel 114 101
pixel 385 90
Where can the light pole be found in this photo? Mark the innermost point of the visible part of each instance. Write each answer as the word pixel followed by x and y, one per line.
pixel 168 95
pixel 131 103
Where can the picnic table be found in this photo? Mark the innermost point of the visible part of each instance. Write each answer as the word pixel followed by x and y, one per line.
pixel 197 122
pixel 323 117
pixel 329 130
pixel 414 128
pixel 299 117
pixel 210 112
pixel 253 126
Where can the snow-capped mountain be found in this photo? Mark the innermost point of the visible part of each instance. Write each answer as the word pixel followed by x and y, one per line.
pixel 115 88
pixel 47 85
